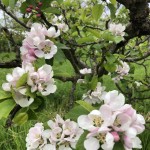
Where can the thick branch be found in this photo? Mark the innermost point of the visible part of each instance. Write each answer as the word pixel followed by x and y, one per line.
pixel 11 64
pixel 138 58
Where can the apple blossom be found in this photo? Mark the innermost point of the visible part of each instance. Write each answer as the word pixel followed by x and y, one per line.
pixel 95 96
pixel 58 21
pixel 15 76
pixel 37 45
pixel 61 134
pixel 121 70
pixel 42 80
pixel 117 29
pixel 34 137
pixel 85 71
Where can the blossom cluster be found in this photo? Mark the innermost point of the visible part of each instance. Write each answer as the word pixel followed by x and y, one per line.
pixel 25 82
pixel 121 70
pixel 117 29
pixel 61 135
pixel 95 96
pixel 114 121
pixel 38 43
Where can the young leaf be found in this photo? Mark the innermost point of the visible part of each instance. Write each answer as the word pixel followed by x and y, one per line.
pixel 97 11
pixel 6 107
pixel 93 83
pixel 12 3
pixel 5 95
pixel 110 67
pixel 85 105
pixel 80 143
pixel 112 10
pixel 22 81
pixel 85 39
pixel 5 2
pixel 20 118
pixel 74 113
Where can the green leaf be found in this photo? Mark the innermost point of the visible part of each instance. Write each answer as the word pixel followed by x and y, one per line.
pixel 59 1
pixel 74 113
pixel 45 4
pixel 85 105
pixel 5 2
pixel 110 58
pixel 93 82
pixel 97 11
pixel 6 107
pixel 22 81
pixel 52 10
pixel 112 10
pixel 5 95
pixel 118 146
pixel 106 35
pixel 49 61
pixel 12 3
pixel 118 39
pixel 86 39
pixel 80 143
pixel 31 115
pixel 113 2
pixel 29 93
pixel 20 118
pixel 110 67
pixel 37 102
pixel 96 33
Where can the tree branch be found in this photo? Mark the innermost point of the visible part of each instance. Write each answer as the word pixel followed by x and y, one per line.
pixel 12 16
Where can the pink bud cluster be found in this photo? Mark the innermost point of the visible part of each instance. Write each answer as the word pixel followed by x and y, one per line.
pixel 36 8
pixel 114 121
pixel 61 134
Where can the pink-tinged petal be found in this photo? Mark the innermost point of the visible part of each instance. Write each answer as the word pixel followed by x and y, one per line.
pixel 84 122
pixel 39 53
pixel 127 142
pixel 139 128
pixel 91 144
pixel 123 121
pixel 6 87
pixel 116 136
pixel 106 112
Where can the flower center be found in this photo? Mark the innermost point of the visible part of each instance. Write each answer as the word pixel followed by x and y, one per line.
pixel 117 122
pixel 46 49
pixel 101 137
pixel 97 121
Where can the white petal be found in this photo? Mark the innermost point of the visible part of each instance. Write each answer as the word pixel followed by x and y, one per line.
pixel 91 144
pixel 6 87
pixel 136 143
pixel 49 147
pixel 131 132
pixel 84 122
pixel 140 119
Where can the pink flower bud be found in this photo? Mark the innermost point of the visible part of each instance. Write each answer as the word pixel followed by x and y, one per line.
pixel 40 4
pixel 116 136
pixel 37 8
pixel 38 15
pixel 28 10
